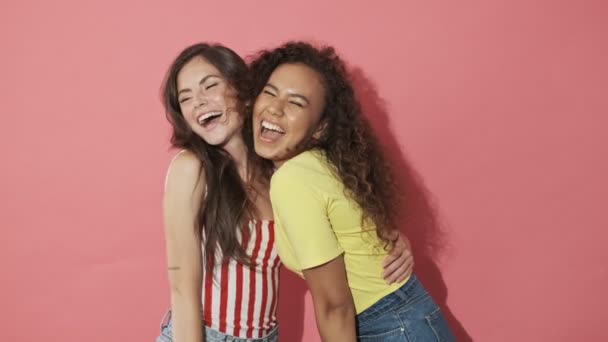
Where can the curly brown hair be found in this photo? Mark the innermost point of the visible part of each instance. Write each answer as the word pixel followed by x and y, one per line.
pixel 347 140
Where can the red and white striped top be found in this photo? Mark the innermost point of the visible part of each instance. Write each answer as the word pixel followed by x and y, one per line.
pixel 241 300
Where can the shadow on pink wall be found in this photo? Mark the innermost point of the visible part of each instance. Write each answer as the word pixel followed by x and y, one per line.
pixel 291 307
pixel 418 217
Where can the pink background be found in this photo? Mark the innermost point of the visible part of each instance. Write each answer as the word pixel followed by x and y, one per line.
pixel 498 113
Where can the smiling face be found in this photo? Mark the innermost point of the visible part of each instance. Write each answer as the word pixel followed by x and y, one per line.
pixel 287 112
pixel 208 102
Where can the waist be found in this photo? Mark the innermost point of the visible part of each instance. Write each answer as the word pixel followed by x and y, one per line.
pixel 365 279
pixel 214 335
pixel 241 300
pixel 405 294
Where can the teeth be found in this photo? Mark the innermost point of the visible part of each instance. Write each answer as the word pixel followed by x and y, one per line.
pixel 272 127
pixel 206 116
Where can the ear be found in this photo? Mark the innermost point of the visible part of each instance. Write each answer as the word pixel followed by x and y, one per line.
pixel 320 130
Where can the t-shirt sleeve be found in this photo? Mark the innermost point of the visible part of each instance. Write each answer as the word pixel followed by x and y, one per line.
pixel 302 211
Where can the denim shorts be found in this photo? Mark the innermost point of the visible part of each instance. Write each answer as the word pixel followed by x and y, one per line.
pixel 212 335
pixel 408 314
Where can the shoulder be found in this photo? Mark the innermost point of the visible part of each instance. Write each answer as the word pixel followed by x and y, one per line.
pixel 184 171
pixel 304 175
pixel 304 167
pixel 185 162
pixel 182 198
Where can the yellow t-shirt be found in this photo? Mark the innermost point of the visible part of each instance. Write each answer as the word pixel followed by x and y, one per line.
pixel 315 223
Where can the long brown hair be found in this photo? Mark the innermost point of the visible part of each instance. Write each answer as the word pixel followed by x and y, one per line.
pixel 347 140
pixel 227 205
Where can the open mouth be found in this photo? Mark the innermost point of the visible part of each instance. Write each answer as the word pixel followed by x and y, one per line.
pixel 207 118
pixel 271 132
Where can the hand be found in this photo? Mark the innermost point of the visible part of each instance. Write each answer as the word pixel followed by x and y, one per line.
pixel 399 264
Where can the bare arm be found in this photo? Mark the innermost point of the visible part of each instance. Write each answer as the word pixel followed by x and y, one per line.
pixel 333 301
pixel 182 199
pixel 317 251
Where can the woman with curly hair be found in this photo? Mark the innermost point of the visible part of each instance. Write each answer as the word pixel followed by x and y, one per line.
pixel 222 261
pixel 334 199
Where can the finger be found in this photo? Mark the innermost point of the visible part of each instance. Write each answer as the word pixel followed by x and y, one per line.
pixel 403 277
pixel 396 263
pixel 407 273
pixel 391 263
pixel 401 273
pixel 391 257
pixel 394 253
pixel 400 266
pixel 389 260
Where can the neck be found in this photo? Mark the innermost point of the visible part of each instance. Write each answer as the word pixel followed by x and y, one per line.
pixel 238 151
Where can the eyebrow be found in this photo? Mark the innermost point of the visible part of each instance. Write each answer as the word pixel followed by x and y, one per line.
pixel 270 85
pixel 201 82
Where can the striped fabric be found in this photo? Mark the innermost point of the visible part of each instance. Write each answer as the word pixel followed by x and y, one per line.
pixel 241 300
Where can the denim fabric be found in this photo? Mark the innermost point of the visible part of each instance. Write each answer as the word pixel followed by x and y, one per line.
pixel 408 314
pixel 211 335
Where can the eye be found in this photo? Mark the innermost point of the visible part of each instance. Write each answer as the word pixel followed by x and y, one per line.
pixel 297 104
pixel 184 99
pixel 210 86
pixel 268 92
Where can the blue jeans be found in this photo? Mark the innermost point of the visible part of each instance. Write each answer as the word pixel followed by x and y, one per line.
pixel 211 335
pixel 408 314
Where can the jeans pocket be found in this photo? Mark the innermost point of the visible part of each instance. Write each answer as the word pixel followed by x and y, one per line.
pixel 395 335
pixel 439 326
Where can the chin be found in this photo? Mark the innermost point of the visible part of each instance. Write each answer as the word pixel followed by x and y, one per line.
pixel 263 152
pixel 216 141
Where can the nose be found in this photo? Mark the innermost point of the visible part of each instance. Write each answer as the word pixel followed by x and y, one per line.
pixel 275 107
pixel 200 99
